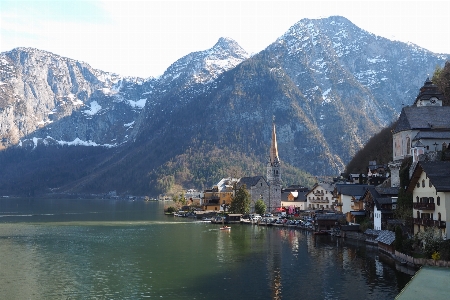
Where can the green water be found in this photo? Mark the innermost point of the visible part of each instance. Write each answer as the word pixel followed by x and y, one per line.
pixel 104 249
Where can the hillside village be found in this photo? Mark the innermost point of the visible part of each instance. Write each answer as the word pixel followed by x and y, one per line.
pixel 405 200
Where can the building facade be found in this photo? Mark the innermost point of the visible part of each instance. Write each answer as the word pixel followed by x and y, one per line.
pixel 430 186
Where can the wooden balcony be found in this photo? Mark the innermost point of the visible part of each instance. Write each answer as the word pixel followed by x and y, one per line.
pixel 319 201
pixel 429 223
pixel 423 206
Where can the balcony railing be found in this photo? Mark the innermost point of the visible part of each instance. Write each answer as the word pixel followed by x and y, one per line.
pixel 429 222
pixel 423 206
pixel 319 201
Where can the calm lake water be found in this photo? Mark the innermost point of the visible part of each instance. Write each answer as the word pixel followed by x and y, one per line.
pixel 116 249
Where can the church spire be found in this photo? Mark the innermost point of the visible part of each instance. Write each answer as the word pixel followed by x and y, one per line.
pixel 273 146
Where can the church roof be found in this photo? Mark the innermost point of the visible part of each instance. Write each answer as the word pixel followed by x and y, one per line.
pixel 432 135
pixel 423 118
pixel 249 181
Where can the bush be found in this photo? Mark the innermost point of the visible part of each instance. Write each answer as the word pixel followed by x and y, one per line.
pixel 171 209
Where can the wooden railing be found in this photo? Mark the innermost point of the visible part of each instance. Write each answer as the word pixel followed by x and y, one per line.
pixel 423 206
pixel 429 222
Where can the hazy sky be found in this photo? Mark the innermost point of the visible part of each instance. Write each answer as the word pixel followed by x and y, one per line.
pixel 142 38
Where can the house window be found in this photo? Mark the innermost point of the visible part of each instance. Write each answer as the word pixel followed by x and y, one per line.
pixel 261 183
pixel 418 214
pixel 423 182
pixel 429 183
pixel 418 184
pixel 417 199
pixel 439 217
pixel 438 200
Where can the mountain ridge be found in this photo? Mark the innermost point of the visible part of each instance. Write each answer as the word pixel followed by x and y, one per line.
pixel 329 84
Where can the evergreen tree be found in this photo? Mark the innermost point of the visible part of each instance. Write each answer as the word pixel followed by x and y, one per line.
pixel 260 207
pixel 240 203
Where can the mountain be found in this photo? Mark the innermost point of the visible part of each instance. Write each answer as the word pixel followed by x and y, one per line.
pixel 329 85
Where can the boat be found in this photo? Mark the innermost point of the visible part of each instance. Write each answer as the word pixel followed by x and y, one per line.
pixel 225 228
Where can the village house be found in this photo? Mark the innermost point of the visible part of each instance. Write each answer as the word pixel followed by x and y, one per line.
pixel 379 204
pixel 294 197
pixel 220 196
pixel 348 198
pixel 430 186
pixel 194 197
pixel 320 197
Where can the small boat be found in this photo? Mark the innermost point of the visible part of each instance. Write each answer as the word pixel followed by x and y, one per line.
pixel 225 228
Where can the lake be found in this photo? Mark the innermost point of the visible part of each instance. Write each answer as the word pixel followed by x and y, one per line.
pixel 118 249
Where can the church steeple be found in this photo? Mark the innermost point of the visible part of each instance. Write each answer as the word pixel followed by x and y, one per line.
pixel 273 166
pixel 274 146
pixel 274 173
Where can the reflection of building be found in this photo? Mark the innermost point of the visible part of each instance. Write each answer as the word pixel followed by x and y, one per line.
pixel 430 186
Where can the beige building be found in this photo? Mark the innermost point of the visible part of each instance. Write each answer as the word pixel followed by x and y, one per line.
pixel 430 186
pixel 320 197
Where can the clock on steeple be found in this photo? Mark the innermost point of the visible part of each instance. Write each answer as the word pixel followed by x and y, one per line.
pixel 429 95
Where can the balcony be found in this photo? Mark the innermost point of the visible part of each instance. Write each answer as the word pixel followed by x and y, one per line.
pixel 319 201
pixel 423 206
pixel 429 223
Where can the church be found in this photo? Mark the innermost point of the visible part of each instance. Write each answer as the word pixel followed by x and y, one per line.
pixel 422 130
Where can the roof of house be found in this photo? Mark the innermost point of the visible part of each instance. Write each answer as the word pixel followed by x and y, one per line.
pixel 386 237
pixel 437 171
pixel 380 201
pixel 298 196
pixel 355 190
pixel 423 118
pixel 326 186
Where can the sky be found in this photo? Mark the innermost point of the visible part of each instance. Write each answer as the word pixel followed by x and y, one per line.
pixel 143 38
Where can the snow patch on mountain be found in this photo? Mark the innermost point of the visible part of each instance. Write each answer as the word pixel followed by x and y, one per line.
pixel 94 108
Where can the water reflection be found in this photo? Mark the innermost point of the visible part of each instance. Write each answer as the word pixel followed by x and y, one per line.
pixel 132 251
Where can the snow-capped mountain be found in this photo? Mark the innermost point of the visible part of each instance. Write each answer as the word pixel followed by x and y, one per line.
pixel 50 99
pixel 329 84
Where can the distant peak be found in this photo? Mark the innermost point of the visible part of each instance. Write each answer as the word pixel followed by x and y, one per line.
pixel 226 42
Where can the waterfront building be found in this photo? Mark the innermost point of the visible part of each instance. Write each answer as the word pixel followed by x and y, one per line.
pixel 349 200
pixel 379 204
pixel 220 195
pixel 320 196
pixel 294 197
pixel 430 186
